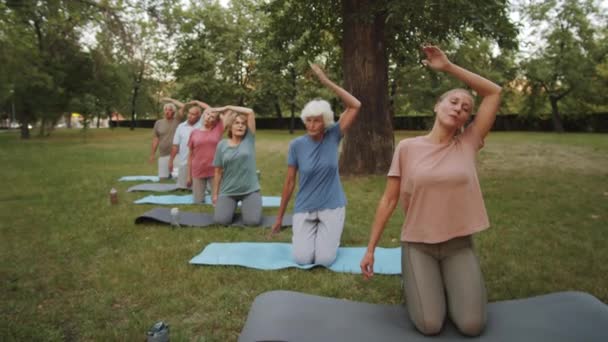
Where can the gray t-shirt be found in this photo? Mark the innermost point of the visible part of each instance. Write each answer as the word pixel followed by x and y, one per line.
pixel 238 162
pixel 164 130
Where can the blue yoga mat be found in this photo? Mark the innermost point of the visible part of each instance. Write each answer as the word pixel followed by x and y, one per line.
pixel 267 201
pixel 275 255
pixel 139 178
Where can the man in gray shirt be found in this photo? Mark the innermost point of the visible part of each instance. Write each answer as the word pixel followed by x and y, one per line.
pixel 162 138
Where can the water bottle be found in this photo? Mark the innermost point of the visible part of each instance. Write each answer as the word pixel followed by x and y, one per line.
pixel 175 217
pixel 113 196
pixel 159 332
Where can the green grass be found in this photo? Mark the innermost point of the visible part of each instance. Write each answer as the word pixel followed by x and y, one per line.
pixel 74 267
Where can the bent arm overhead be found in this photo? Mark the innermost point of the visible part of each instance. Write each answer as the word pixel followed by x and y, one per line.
pixel 351 103
pixel 244 110
pixel 490 91
pixel 200 104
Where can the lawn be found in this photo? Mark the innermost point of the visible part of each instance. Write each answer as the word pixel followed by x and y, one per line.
pixel 75 267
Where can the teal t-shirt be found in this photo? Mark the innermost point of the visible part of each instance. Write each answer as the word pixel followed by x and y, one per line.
pixel 238 162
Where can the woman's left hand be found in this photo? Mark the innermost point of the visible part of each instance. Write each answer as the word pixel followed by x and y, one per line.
pixel 435 58
pixel 318 72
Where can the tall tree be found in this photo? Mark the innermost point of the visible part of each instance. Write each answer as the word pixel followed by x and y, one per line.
pixel 565 66
pixel 45 62
pixel 372 33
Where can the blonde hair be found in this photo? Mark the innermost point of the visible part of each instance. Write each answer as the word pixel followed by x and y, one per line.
pixel 318 107
pixel 444 95
pixel 231 120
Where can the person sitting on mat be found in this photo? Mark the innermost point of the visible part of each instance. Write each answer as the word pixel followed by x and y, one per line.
pixel 180 141
pixel 319 210
pixel 203 143
pixel 235 177
pixel 435 178
pixel 163 132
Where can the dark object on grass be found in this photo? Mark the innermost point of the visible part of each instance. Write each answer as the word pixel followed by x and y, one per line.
pixel 159 332
pixel 189 219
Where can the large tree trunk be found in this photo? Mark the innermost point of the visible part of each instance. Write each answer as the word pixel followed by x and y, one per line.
pixel 558 126
pixel 24 119
pixel 368 145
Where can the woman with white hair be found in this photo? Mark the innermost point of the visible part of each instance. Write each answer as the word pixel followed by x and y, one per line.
pixel 319 210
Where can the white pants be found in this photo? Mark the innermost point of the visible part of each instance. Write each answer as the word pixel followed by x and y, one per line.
pixel 316 236
pixel 163 167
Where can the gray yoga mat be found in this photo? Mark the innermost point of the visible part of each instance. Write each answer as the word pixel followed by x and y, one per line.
pixel 297 317
pixel 155 187
pixel 189 219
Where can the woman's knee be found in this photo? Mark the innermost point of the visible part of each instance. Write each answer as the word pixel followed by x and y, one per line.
pixel 252 219
pixel 303 255
pixel 429 325
pixel 223 217
pixel 471 325
pixel 325 257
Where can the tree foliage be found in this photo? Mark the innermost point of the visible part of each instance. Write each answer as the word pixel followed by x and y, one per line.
pixel 566 68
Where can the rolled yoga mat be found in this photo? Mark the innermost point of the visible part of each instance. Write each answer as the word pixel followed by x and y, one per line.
pixel 189 219
pixel 297 317
pixel 155 187
pixel 139 178
pixel 267 201
pixel 276 255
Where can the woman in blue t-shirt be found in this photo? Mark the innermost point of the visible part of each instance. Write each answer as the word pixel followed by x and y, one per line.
pixel 319 211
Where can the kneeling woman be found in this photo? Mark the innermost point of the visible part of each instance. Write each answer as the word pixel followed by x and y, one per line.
pixel 320 202
pixel 435 178
pixel 235 177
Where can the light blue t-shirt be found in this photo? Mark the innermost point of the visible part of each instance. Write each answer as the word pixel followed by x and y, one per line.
pixel 317 165
pixel 238 162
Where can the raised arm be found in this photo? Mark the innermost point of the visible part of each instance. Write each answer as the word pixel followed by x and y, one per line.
pixel 200 104
pixel 385 209
pixel 244 110
pixel 351 103
pixel 180 106
pixel 490 91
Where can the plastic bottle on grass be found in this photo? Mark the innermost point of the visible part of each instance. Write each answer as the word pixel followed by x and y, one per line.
pixel 113 196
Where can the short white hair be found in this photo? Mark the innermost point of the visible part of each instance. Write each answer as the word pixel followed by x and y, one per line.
pixel 170 105
pixel 318 107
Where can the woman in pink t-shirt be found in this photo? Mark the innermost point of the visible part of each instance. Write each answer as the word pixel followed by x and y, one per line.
pixel 202 145
pixel 435 178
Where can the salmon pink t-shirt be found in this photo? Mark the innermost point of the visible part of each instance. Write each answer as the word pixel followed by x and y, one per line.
pixel 439 188
pixel 202 146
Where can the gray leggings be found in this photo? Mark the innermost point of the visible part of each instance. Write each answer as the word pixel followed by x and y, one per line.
pixel 251 208
pixel 436 272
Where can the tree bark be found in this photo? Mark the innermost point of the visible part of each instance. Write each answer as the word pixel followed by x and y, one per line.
pixel 558 126
pixel 24 119
pixel 368 145
pixel 138 78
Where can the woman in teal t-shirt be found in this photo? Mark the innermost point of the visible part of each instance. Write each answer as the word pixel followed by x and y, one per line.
pixel 235 177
